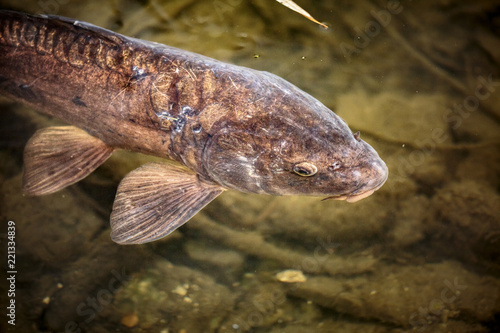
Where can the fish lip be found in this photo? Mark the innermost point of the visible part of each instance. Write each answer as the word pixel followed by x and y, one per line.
pixel 356 196
pixel 353 196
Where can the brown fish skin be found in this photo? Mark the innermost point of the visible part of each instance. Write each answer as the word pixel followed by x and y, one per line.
pixel 234 127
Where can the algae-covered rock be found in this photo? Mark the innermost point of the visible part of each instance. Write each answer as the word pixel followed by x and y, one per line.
pixel 321 260
pixel 408 296
pixel 53 229
pixel 263 304
pixel 474 168
pixel 173 298
pixel 410 221
pixel 307 220
pixel 388 114
pixel 227 262
pixel 61 233
pixel 468 216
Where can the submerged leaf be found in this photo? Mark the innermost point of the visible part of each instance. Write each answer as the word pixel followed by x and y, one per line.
pixel 293 6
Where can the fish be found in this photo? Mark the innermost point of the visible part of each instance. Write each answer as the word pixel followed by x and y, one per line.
pixel 218 126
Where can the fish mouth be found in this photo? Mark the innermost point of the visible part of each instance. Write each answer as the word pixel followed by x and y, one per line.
pixel 353 197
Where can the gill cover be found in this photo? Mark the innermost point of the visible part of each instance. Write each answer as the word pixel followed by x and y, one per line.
pixel 234 160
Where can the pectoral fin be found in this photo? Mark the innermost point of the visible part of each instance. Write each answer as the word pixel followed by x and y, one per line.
pixel 56 157
pixel 154 200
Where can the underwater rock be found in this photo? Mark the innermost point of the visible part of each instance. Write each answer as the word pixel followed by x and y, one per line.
pixel 321 260
pixel 291 276
pixel 90 283
pixel 67 228
pixel 219 257
pixel 317 225
pixel 329 326
pixel 468 215
pixel 174 298
pixel 72 240
pixel 337 326
pixel 411 297
pixel 387 115
pixel 228 262
pixel 130 320
pixel 409 222
pixel 262 303
pixel 473 169
pixel 474 126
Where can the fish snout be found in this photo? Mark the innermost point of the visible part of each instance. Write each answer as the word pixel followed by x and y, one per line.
pixel 374 175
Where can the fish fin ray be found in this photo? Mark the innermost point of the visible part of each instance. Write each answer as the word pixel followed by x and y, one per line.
pixel 56 157
pixel 154 200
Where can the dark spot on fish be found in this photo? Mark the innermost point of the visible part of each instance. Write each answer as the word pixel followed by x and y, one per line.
pixel 197 128
pixel 138 74
pixel 78 101
pixel 23 91
pixel 322 177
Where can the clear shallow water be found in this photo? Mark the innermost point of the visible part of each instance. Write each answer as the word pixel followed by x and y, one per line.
pixel 419 80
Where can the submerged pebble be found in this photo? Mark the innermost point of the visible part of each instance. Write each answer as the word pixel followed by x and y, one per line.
pixel 130 320
pixel 291 276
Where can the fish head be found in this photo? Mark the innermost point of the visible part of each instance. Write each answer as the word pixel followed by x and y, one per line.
pixel 300 148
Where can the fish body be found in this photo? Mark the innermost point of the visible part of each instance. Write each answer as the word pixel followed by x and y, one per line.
pixel 229 127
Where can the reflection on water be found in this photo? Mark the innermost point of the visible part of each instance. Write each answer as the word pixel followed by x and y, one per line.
pixel 420 80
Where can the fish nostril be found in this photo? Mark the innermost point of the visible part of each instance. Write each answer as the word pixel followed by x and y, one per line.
pixel 334 166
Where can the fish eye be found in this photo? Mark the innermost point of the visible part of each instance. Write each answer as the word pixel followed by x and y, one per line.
pixel 305 169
